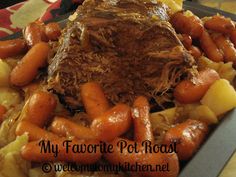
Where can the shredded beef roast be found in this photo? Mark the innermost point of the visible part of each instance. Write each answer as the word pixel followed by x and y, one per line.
pixel 128 46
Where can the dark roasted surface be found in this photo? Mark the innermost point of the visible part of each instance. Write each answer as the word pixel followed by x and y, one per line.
pixel 126 45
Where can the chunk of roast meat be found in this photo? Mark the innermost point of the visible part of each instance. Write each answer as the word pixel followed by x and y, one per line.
pixel 128 46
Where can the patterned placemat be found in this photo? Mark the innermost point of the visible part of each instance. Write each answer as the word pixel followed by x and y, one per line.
pixel 16 17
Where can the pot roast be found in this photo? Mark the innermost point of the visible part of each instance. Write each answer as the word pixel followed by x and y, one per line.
pixel 128 46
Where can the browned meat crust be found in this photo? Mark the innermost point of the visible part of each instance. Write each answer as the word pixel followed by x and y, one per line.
pixel 128 46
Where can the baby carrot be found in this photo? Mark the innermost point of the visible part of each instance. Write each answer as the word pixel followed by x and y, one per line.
pixel 34 33
pixel 27 69
pixel 112 123
pixel 141 118
pixel 94 100
pixel 210 48
pixel 34 132
pixel 189 92
pixel 223 43
pixel 52 31
pixel 190 25
pixel 40 108
pixel 65 127
pixel 188 135
pixel 11 48
pixel 220 24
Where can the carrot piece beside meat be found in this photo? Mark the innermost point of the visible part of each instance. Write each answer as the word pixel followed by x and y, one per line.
pixel 195 51
pixel 34 33
pixel 27 68
pixel 112 123
pixel 94 100
pixel 189 92
pixel 52 31
pixel 186 40
pixel 31 88
pixel 190 25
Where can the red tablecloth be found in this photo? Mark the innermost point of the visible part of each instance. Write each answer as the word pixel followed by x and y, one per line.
pixel 14 18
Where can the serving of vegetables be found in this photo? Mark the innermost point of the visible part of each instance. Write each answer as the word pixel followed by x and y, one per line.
pixel 30 113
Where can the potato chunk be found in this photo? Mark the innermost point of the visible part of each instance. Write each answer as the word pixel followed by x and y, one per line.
pixel 10 159
pixel 203 113
pixel 220 98
pixel 9 97
pixel 5 71
pixel 175 5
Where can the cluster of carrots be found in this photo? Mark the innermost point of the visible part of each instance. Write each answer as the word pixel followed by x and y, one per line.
pixel 36 35
pixel 36 49
pixel 108 124
pixel 215 35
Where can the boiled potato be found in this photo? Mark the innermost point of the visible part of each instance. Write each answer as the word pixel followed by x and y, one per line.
pixel 8 126
pixel 14 165
pixel 179 2
pixel 174 5
pixel 196 111
pixel 9 97
pixel 5 71
pixel 203 113
pixel 220 98
pixel 226 71
pixel 14 146
pixel 6 135
pixel 10 159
